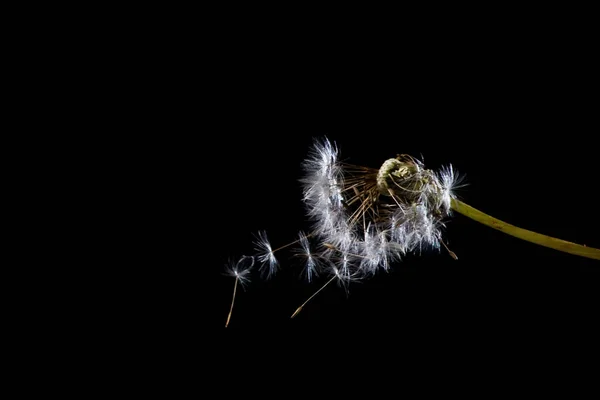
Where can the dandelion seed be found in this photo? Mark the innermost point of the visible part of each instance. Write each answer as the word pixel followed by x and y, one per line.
pixel 449 182
pixel 312 262
pixel 241 271
pixel 452 254
pixel 266 256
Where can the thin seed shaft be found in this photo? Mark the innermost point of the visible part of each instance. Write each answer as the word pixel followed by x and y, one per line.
pixel 232 300
pixel 291 243
pixel 314 294
pixel 452 254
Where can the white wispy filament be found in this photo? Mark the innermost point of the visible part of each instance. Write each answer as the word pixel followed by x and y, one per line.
pixel 311 261
pixel 265 255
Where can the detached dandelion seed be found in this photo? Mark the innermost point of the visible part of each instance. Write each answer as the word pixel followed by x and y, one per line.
pixel 266 256
pixel 312 262
pixel 241 272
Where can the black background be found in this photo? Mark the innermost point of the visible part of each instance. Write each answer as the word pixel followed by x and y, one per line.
pixel 196 130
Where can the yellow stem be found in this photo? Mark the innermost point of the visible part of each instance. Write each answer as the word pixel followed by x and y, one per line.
pixel 524 234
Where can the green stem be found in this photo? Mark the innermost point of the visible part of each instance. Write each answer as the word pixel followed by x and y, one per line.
pixel 524 234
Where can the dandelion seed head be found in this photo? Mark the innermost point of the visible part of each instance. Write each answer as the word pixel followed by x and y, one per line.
pixel 363 218
pixel 375 216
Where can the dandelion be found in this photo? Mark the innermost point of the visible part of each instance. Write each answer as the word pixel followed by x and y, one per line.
pixel 402 202
pixel 365 219
pixel 370 217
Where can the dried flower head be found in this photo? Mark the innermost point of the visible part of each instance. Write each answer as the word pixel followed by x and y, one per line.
pixel 370 217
